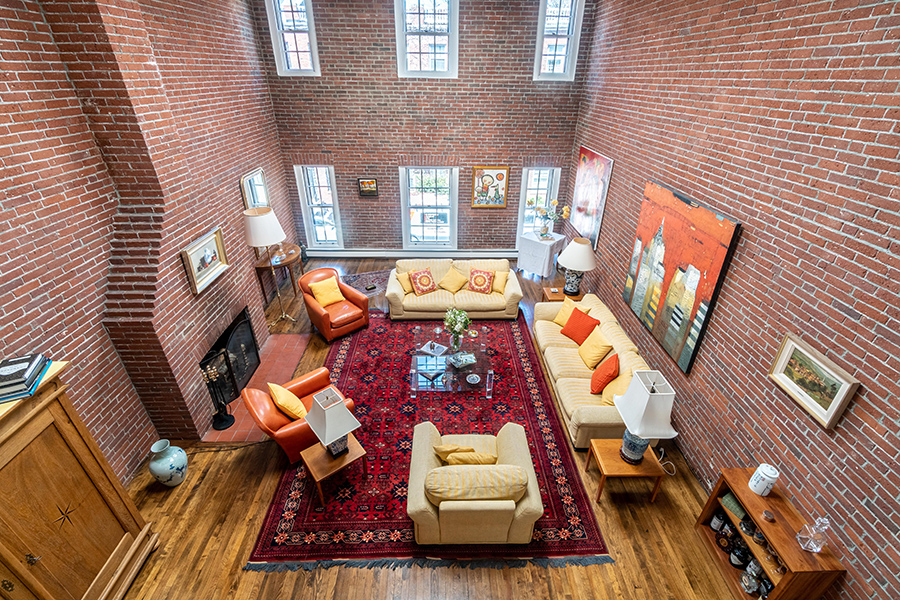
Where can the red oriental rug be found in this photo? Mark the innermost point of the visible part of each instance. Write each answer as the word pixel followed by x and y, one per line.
pixel 364 522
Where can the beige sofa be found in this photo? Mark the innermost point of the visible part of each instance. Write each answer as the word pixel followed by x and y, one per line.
pixel 587 416
pixel 434 304
pixel 472 521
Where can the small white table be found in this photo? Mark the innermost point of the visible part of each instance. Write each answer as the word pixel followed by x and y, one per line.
pixel 537 255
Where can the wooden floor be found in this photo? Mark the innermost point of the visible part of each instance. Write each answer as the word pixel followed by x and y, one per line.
pixel 208 525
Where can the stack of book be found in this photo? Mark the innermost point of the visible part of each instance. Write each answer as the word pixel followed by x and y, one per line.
pixel 20 376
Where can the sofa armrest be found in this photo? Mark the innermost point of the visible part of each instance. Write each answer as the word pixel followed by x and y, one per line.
pixel 512 293
pixel 422 461
pixel 394 292
pixel 546 311
pixel 595 422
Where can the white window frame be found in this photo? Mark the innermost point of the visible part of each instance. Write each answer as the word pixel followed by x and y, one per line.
pixel 308 224
pixel 454 209
pixel 452 43
pixel 278 43
pixel 553 195
pixel 571 50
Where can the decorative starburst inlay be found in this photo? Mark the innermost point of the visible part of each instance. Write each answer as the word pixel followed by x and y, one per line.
pixel 64 515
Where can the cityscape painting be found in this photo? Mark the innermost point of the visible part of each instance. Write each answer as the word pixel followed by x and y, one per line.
pixel 680 255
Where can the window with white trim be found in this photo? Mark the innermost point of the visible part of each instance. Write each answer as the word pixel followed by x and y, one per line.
pixel 293 37
pixel 427 37
pixel 319 204
pixel 539 187
pixel 559 32
pixel 429 206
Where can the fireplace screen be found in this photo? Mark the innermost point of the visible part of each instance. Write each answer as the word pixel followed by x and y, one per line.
pixel 231 362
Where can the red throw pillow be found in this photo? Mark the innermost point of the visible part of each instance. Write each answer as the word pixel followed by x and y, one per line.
pixel 579 326
pixel 604 374
pixel 481 281
pixel 422 281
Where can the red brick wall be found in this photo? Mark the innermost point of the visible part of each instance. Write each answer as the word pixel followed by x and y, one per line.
pixel 784 118
pixel 363 119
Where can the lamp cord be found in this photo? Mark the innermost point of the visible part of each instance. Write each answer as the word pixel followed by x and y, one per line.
pixel 666 463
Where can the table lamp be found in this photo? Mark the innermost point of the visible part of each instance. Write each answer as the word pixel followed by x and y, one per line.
pixel 331 421
pixel 577 258
pixel 646 409
pixel 261 230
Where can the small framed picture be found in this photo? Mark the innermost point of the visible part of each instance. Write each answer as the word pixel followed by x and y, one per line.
pixel 489 185
pixel 368 187
pixel 821 387
pixel 205 260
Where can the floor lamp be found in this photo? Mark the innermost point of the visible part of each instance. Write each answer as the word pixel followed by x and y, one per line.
pixel 261 230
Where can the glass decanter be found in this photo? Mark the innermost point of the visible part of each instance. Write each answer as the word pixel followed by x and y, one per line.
pixel 812 537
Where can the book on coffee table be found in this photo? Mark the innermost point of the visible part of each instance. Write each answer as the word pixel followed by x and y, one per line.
pixel 433 349
pixel 461 359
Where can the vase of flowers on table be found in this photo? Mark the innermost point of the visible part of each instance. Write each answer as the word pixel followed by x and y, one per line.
pixel 457 322
pixel 551 215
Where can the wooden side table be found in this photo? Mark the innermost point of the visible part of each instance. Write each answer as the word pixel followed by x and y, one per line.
pixel 321 465
pixel 292 255
pixel 558 295
pixel 606 452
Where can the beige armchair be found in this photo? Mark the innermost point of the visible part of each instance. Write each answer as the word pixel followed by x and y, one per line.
pixel 472 521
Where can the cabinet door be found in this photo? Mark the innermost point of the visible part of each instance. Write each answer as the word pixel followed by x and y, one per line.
pixel 11 588
pixel 50 508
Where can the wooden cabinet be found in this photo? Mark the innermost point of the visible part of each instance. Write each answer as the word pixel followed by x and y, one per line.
pixel 806 575
pixel 68 529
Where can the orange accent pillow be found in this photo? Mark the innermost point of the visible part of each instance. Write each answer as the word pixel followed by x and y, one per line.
pixel 422 281
pixel 579 326
pixel 481 281
pixel 604 374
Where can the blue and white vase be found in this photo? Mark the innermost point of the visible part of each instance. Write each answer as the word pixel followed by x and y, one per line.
pixel 168 463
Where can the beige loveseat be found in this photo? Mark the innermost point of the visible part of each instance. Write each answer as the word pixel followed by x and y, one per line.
pixel 465 521
pixel 434 304
pixel 587 416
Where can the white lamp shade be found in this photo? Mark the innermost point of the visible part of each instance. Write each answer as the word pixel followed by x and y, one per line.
pixel 261 227
pixel 578 256
pixel 329 418
pixel 646 406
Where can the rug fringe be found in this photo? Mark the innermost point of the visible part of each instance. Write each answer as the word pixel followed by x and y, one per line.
pixel 431 563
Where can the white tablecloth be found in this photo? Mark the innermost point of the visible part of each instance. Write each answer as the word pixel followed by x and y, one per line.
pixel 537 255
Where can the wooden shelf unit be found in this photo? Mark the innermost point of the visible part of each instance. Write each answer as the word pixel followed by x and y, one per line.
pixel 807 574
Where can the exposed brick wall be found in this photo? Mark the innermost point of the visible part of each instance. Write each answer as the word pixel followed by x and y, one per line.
pixel 366 122
pixel 57 205
pixel 785 118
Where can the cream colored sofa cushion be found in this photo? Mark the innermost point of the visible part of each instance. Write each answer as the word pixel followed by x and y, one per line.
pixel 574 393
pixel 476 301
pixel 475 482
pixel 565 362
pixel 615 336
pixel 438 266
pixel 547 334
pixel 438 300
pixel 485 264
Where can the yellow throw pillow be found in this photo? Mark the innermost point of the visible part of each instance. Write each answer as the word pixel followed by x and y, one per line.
pixel 594 349
pixel 326 291
pixel 566 311
pixel 453 281
pixel 405 283
pixel 446 450
pixel 500 278
pixel 471 458
pixel 287 402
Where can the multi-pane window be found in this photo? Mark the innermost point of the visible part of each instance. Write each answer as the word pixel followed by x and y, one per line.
pixel 319 204
pixel 293 36
pixel 559 31
pixel 429 204
pixel 427 37
pixel 539 187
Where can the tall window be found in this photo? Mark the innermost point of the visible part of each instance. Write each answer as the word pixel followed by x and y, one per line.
pixel 429 206
pixel 559 31
pixel 427 37
pixel 293 37
pixel 320 207
pixel 539 187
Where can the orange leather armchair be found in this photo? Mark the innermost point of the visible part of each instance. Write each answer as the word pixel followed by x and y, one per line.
pixel 293 436
pixel 339 318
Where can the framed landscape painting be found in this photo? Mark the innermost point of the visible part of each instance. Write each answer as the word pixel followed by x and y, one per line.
pixel 591 184
pixel 367 187
pixel 489 186
pixel 205 260
pixel 680 256
pixel 821 387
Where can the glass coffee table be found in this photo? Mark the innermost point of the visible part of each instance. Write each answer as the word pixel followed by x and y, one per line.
pixel 433 367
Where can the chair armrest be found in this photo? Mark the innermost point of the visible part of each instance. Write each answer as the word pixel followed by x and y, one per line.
pixel 394 292
pixel 315 310
pixel 422 461
pixel 512 449
pixel 310 383
pixel 355 296
pixel 512 292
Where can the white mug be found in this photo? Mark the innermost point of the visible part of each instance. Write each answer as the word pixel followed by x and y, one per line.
pixel 763 479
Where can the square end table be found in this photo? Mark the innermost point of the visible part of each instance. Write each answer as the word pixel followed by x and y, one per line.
pixel 606 453
pixel 321 465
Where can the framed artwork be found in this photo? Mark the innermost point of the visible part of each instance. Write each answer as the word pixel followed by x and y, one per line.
pixel 253 188
pixel 367 187
pixel 205 260
pixel 821 387
pixel 489 187
pixel 591 184
pixel 680 256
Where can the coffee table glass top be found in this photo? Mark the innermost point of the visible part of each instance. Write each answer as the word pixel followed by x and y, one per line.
pixel 433 367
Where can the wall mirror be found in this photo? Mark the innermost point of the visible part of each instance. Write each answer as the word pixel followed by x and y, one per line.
pixel 253 187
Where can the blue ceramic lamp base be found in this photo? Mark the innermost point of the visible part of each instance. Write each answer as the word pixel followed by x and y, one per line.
pixel 633 448
pixel 338 446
